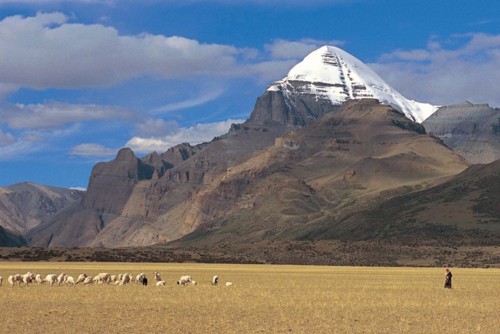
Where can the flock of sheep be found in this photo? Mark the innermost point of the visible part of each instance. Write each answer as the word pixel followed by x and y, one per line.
pixel 101 278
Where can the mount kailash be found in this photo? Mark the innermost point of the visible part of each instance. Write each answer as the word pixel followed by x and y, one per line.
pixel 322 152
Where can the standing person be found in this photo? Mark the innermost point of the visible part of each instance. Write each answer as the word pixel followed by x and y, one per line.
pixel 447 279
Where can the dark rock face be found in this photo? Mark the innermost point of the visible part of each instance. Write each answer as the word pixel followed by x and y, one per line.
pixel 471 130
pixel 296 108
pixel 9 239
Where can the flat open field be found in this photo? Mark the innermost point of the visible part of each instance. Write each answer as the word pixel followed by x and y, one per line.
pixel 263 299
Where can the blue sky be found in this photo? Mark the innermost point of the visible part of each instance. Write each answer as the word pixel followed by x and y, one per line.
pixel 81 79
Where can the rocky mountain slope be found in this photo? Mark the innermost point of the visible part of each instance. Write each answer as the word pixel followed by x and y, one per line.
pixel 318 159
pixel 282 188
pixel 24 206
pixel 471 130
pixel 314 179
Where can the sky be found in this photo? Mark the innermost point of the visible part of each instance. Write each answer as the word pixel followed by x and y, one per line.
pixel 81 79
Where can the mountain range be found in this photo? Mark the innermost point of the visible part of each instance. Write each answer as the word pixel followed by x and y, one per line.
pixel 330 153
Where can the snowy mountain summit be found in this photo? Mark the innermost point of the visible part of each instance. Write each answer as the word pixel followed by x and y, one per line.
pixel 332 75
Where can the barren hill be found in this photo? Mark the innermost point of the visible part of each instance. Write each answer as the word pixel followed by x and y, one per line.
pixel 315 177
pixel 26 205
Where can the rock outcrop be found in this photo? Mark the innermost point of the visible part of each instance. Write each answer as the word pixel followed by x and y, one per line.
pixel 25 206
pixel 471 130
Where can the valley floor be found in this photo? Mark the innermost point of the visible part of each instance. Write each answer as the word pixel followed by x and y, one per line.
pixel 262 299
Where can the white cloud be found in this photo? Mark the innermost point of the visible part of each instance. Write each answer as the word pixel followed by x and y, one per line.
pixel 189 103
pixel 6 138
pixel 47 51
pixel 465 67
pixel 19 147
pixel 55 115
pixel 285 49
pixel 93 150
pixel 155 127
pixel 193 135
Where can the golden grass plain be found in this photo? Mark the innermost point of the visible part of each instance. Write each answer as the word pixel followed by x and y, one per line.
pixel 263 299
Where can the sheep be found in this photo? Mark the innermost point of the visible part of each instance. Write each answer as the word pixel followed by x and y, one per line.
pixel 112 278
pixel 103 277
pixel 161 283
pixel 1 280
pixel 10 279
pixel 157 277
pixel 88 280
pixel 27 278
pixel 60 278
pixel 125 279
pixel 38 279
pixel 191 283
pixel 229 283
pixel 139 278
pixel 51 279
pixel 81 278
pixel 183 280
pixel 215 280
pixel 69 280
pixel 18 279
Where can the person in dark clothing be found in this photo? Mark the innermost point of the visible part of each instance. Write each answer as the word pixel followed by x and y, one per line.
pixel 447 279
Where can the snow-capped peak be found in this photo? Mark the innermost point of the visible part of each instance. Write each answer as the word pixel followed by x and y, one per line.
pixel 332 74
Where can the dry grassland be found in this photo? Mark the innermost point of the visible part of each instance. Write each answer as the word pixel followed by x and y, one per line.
pixel 263 299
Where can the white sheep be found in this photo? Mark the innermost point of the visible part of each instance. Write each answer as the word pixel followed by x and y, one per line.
pixel 139 278
pixel 229 283
pixel 102 278
pixel 81 278
pixel 38 279
pixel 69 280
pixel 183 280
pixel 11 281
pixel 60 278
pixel 51 279
pixel 215 280
pixel 18 279
pixel 88 280
pixel 161 283
pixel 125 279
pixel 157 277
pixel 27 278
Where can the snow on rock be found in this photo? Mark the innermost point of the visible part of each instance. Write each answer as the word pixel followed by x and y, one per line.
pixel 330 73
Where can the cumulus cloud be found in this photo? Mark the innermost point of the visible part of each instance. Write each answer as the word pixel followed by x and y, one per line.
pixel 464 67
pixel 194 135
pixel 47 51
pixel 55 115
pixel 93 150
